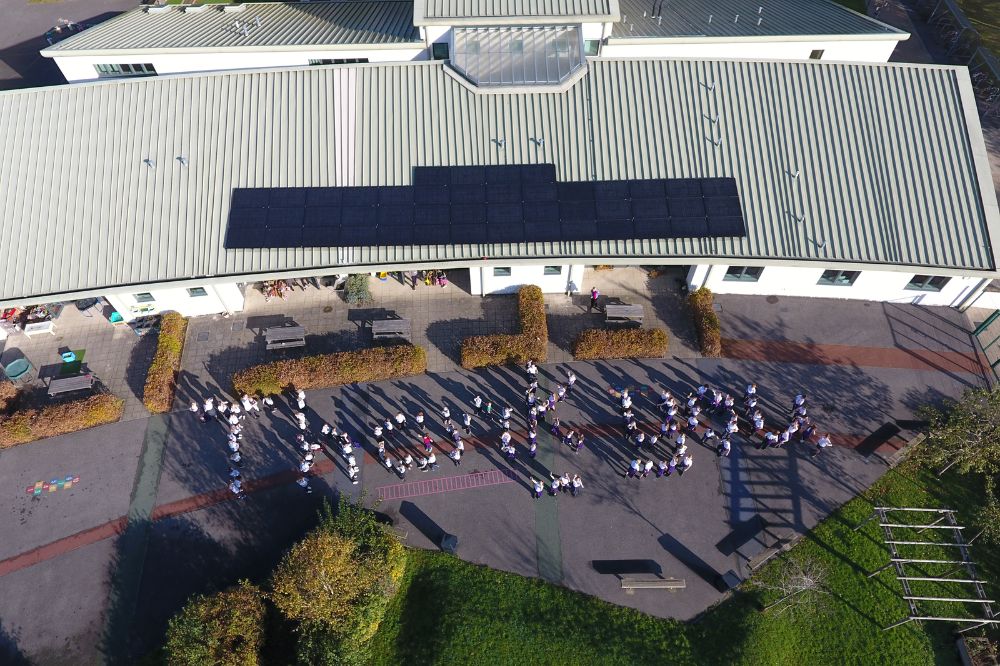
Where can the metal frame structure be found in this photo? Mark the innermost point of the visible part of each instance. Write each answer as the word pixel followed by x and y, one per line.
pixel 898 561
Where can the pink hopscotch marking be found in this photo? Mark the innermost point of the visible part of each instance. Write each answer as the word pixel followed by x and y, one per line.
pixel 445 484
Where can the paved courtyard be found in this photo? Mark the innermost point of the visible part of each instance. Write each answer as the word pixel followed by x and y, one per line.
pixel 97 568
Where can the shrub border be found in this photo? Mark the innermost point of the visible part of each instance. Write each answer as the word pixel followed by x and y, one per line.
pixel 706 322
pixel 325 370
pixel 19 427
pixel 479 351
pixel 620 338
pixel 161 378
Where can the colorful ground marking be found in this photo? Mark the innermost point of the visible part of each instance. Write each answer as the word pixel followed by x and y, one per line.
pixel 642 390
pixel 52 485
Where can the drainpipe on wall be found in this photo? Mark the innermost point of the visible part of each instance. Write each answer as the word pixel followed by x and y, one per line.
pixel 974 294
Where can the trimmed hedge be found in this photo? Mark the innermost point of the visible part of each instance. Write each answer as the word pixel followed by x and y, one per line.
pixel 598 343
pixel 161 379
pixel 8 394
pixel 324 370
pixel 531 343
pixel 27 425
pixel 706 322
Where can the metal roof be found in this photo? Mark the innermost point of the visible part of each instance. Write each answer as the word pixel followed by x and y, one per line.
pixel 697 20
pixel 256 26
pixel 493 12
pixel 128 182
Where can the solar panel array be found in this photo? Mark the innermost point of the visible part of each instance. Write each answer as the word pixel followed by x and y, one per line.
pixel 484 204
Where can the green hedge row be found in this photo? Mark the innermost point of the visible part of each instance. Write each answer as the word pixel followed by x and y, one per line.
pixel 598 343
pixel 531 343
pixel 706 322
pixel 161 379
pixel 363 365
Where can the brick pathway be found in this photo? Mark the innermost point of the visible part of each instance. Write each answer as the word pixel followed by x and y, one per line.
pixel 444 484
pixel 875 357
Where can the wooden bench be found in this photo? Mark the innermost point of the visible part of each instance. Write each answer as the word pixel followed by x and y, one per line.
pixel 652 583
pixel 617 314
pixel 391 328
pixel 783 544
pixel 68 384
pixel 285 337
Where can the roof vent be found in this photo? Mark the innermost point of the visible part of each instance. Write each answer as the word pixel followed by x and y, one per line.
pixel 161 9
pixel 194 9
pixel 234 8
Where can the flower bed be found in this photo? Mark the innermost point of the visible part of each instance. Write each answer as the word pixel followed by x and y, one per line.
pixel 706 322
pixel 531 343
pixel 161 379
pixel 598 343
pixel 321 371
pixel 28 424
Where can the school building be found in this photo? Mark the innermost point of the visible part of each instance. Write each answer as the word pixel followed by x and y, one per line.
pixel 539 139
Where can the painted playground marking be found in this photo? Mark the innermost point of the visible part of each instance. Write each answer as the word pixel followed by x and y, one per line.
pixel 445 484
pixel 40 487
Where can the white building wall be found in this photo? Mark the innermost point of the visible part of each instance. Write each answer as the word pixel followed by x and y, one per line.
pixel 522 275
pixel 988 299
pixel 870 285
pixel 842 50
pixel 81 68
pixel 218 298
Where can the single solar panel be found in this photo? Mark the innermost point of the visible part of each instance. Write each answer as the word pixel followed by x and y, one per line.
pixel 248 218
pixel 432 234
pixel 539 191
pixel 726 226
pixel 503 193
pixel 614 209
pixel 468 194
pixel 538 173
pixel 649 209
pixel 432 195
pixel 611 190
pixel 395 196
pixel 722 206
pixel 468 214
pixel 359 236
pixel 321 237
pixel 431 214
pixel 358 216
pixel 686 206
pixel 541 211
pixel 683 187
pixel 395 216
pixel 324 196
pixel 615 230
pixel 468 233
pixel 509 213
pixel 647 189
pixel 503 174
pixel 576 191
pixel 654 228
pixel 542 231
pixel 397 235
pixel 431 176
pixel 577 211
pixel 690 227
pixel 719 187
pixel 322 216
pixel 360 196
pixel 287 197
pixel 468 175
pixel 285 218
pixel 505 233
pixel 249 198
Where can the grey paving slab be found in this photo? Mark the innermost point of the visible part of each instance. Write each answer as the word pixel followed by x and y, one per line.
pixel 104 458
pixel 52 613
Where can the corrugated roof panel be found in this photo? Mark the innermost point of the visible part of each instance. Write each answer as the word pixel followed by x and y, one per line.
pixel 263 25
pixel 485 11
pixel 886 166
pixel 679 19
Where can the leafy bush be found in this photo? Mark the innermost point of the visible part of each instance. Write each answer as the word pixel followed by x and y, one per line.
pixel 596 343
pixel 161 380
pixel 356 291
pixel 337 584
pixel 706 322
pixel 531 343
pixel 224 629
pixel 27 425
pixel 324 370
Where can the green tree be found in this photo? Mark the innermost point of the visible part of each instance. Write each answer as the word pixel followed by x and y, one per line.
pixel 964 434
pixel 319 580
pixel 223 629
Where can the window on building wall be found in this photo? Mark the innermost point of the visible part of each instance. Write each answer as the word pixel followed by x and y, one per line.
pixel 194 292
pixel 927 283
pixel 743 273
pixel 591 47
pixel 337 61
pixel 140 69
pixel 839 278
pixel 501 272
pixel 817 54
pixel 439 50
pixel 144 297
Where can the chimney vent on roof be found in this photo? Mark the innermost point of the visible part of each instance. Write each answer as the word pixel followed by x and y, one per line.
pixel 234 8
pixel 150 163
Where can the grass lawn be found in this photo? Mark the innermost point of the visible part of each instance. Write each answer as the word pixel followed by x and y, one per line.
pixel 985 16
pixel 449 611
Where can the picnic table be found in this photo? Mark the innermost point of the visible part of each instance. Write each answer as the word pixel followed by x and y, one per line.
pixel 391 328
pixel 284 337
pixel 69 384
pixel 614 314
